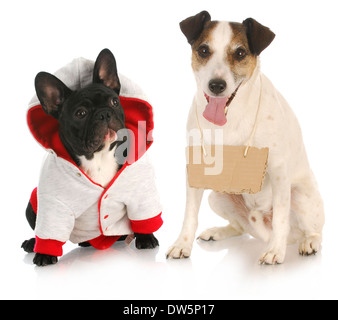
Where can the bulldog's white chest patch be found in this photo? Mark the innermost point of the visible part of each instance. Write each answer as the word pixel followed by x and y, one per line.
pixel 102 168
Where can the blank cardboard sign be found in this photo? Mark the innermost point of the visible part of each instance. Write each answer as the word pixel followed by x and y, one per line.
pixel 225 169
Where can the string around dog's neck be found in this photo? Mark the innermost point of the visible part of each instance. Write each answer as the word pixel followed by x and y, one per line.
pixel 249 143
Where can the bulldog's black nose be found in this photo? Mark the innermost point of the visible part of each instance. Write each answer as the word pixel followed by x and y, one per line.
pixel 217 86
pixel 104 115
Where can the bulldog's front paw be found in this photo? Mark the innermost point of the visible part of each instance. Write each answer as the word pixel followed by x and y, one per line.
pixel 28 245
pixel 146 241
pixel 42 260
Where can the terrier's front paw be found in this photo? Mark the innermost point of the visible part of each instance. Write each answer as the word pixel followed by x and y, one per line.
pixel 42 260
pixel 272 257
pixel 180 250
pixel 146 241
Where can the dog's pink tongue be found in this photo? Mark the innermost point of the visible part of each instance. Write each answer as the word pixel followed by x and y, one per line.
pixel 215 111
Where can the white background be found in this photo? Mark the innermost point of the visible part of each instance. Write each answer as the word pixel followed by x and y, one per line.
pixel 151 50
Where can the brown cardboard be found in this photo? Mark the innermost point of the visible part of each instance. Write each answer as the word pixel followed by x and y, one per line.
pixel 225 169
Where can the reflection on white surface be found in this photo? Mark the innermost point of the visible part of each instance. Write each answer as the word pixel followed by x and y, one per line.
pixel 226 269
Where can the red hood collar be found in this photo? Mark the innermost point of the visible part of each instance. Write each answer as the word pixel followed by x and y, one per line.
pixel 139 119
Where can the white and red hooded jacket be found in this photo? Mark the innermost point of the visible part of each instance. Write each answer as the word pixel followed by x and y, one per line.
pixel 69 205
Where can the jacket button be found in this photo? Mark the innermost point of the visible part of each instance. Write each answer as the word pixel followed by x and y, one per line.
pixel 78 174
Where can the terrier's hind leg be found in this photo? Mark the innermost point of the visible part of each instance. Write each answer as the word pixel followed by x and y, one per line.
pixel 229 207
pixel 219 233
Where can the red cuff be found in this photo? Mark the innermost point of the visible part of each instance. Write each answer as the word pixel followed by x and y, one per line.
pixel 48 246
pixel 147 226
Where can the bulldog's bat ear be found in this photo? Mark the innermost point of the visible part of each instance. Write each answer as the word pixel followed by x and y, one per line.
pixel 51 92
pixel 259 36
pixel 193 27
pixel 105 71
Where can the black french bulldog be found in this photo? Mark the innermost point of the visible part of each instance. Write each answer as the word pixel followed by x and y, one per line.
pixel 89 118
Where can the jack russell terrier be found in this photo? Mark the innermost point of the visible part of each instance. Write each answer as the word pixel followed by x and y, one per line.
pixel 234 96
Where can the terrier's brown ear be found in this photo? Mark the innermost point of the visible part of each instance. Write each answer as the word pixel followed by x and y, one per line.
pixel 193 27
pixel 259 36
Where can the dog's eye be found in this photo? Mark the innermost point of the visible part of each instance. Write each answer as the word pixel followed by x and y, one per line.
pixel 81 113
pixel 115 102
pixel 240 54
pixel 204 51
